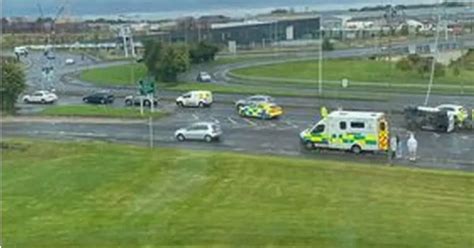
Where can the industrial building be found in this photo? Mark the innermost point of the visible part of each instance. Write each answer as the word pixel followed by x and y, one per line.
pixel 266 30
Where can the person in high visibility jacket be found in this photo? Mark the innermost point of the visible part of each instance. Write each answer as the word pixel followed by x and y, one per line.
pixel 324 112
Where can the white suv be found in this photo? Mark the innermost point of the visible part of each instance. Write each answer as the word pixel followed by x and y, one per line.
pixel 41 96
pixel 206 131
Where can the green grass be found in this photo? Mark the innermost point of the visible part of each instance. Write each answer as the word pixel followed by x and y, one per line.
pixel 354 70
pixel 105 195
pixel 115 75
pixel 122 74
pixel 97 111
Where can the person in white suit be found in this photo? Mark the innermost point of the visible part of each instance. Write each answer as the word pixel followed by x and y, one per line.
pixel 412 145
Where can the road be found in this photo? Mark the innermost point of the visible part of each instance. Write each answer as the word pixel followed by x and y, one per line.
pixel 277 137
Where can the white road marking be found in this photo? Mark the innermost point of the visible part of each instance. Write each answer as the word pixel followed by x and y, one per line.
pixel 195 117
pixel 231 120
pixel 250 122
pixel 436 135
pixel 291 124
pixel 215 120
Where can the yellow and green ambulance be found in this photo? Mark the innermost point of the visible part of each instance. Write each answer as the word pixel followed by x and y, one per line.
pixel 354 131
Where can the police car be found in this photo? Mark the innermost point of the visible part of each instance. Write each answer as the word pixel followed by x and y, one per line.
pixel 262 110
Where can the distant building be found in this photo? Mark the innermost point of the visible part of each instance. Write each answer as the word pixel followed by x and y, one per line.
pixel 266 30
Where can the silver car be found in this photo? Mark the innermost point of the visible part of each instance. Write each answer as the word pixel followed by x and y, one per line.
pixel 207 131
pixel 253 100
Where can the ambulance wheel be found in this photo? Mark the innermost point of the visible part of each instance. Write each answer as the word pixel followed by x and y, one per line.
pixel 309 145
pixel 356 149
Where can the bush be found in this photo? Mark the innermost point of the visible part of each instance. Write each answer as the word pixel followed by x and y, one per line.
pixel 404 64
pixel 327 45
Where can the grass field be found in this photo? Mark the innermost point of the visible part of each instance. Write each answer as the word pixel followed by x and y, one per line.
pixel 105 195
pixel 97 111
pixel 354 70
pixel 115 75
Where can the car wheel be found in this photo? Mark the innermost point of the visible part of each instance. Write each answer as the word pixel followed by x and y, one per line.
pixel 356 149
pixel 128 102
pixel 147 103
pixel 85 100
pixel 239 106
pixel 26 100
pixel 208 138
pixel 201 105
pixel 309 145
pixel 180 137
pixel 180 104
pixel 43 101
pixel 102 101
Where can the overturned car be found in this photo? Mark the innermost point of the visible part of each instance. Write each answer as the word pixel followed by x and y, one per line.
pixel 427 118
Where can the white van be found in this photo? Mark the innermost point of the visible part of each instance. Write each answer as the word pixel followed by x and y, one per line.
pixel 198 98
pixel 349 130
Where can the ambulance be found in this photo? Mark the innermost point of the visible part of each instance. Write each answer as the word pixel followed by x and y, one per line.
pixel 354 131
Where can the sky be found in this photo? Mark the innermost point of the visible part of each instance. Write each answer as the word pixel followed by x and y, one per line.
pixel 115 7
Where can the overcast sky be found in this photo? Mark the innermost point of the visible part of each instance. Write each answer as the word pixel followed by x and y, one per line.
pixel 98 7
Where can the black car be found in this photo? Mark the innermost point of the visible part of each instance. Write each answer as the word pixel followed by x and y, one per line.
pixel 99 98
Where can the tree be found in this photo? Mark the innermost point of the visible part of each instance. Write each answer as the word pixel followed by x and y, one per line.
pixel 13 83
pixel 174 60
pixel 152 56
pixel 203 52
pixel 327 45
pixel 404 30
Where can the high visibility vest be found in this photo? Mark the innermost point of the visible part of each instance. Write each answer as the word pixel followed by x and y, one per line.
pixel 324 112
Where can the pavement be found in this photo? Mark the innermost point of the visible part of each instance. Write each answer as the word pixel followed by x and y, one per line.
pixel 276 137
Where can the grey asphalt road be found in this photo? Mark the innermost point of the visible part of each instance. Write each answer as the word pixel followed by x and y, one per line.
pixel 277 137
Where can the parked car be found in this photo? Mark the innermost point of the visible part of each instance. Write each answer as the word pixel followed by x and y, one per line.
pixel 204 77
pixel 135 101
pixel 253 100
pixel 99 98
pixel 459 112
pixel 206 131
pixel 70 62
pixel 41 96
pixel 197 98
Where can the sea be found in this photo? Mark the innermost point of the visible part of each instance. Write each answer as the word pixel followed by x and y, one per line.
pixel 165 9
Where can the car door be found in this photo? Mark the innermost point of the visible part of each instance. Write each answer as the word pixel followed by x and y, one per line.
pixel 37 97
pixel 187 100
pixel 192 132
pixel 201 131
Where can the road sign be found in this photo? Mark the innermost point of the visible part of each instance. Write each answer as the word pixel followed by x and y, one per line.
pixel 146 87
